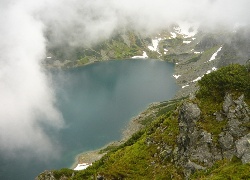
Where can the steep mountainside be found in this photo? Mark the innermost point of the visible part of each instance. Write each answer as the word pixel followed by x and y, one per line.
pixel 194 51
pixel 206 136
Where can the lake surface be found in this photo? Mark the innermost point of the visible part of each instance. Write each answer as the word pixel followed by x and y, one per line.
pixel 97 101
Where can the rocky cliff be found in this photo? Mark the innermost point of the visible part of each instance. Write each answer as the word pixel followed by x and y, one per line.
pixel 198 149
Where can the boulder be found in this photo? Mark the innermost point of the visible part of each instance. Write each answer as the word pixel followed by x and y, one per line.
pixel 46 175
pixel 218 116
pixel 226 140
pixel 189 112
pixel 228 101
pixel 243 148
pixel 191 167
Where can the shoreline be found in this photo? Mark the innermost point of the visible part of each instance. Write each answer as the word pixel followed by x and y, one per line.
pixel 133 126
pixel 92 155
pixel 63 65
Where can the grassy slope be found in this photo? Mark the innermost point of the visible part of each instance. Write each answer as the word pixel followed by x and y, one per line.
pixel 225 169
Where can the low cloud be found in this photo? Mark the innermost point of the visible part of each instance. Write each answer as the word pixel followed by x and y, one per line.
pixel 27 97
pixel 27 100
pixel 88 22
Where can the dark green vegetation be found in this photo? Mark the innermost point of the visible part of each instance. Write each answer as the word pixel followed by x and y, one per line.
pixel 225 169
pixel 150 153
pixel 233 79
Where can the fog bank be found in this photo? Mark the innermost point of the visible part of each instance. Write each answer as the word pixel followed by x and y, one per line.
pixel 27 97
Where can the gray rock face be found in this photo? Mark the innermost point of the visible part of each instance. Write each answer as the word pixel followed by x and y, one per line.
pixel 194 145
pixel 243 148
pixel 234 128
pixel 46 175
pixel 189 112
pixel 234 139
pixel 228 101
pixel 218 116
pixel 226 141
pixel 196 149
pixel 191 167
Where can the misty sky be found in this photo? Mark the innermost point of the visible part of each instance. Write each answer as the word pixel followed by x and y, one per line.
pixel 26 92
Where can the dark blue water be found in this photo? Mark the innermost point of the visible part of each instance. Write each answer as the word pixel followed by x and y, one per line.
pixel 96 101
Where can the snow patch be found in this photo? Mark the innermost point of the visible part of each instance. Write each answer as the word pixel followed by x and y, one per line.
pixel 165 51
pixel 215 54
pixel 196 52
pixel 151 48
pixel 173 35
pixel 49 57
pixel 208 71
pixel 155 43
pixel 186 42
pixel 82 166
pixel 144 55
pixel 213 69
pixel 176 76
pixel 197 79
pixel 185 86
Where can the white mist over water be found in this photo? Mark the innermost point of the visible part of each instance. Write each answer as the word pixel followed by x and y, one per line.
pixel 26 93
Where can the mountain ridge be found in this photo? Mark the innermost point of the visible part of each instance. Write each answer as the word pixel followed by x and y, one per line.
pixel 191 52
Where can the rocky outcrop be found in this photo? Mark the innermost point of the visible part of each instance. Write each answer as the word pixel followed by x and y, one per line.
pixel 46 175
pixel 50 175
pixel 237 114
pixel 243 148
pixel 197 149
